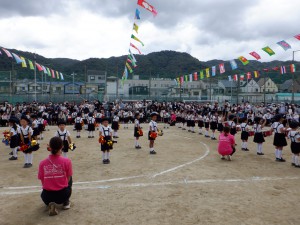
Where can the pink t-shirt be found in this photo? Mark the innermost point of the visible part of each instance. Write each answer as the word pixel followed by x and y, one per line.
pixel 54 172
pixel 225 144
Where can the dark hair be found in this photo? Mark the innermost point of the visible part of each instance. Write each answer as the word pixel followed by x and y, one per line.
pixel 226 130
pixel 55 144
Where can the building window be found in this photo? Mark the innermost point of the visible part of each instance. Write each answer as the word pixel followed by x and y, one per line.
pixel 92 77
pixel 99 78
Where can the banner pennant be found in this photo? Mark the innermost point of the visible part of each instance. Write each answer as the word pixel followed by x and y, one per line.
pixel 268 50
pixel 9 55
pixel 17 58
pixel 136 28
pixel 24 65
pixel 147 6
pixel 255 55
pixel 132 45
pixel 286 46
pixel 137 14
pixel 136 39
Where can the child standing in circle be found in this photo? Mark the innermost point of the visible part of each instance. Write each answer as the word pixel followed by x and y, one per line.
pixel 91 125
pixel 14 137
pixel 259 123
pixel 279 137
pixel 105 133
pixel 64 135
pixel 78 124
pixel 137 130
pixel 294 135
pixel 152 134
pixel 25 134
pixel 244 134
pixel 115 125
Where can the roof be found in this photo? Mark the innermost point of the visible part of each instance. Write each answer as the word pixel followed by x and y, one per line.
pixel 286 85
pixel 228 84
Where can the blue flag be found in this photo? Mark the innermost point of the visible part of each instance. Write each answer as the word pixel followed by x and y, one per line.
pixel 233 64
pixel 213 73
pixel 137 14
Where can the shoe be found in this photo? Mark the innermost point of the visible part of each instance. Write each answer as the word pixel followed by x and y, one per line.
pixel 153 152
pixel 213 138
pixel 183 129
pixel 42 138
pixel 67 205
pixel 193 132
pixel 116 137
pixel 200 134
pixel 107 161
pixel 138 147
pixel 13 158
pixel 223 157
pixel 29 165
pixel 52 209
pixel 280 160
pixel 93 136
pixel 297 166
pixel 26 165
pixel 229 158
pixel 293 164
pixel 11 153
pixel 206 136
pixel 246 149
pixel 104 161
pixel 258 153
pixel 189 131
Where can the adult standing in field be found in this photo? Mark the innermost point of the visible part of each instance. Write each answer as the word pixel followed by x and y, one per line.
pixel 55 173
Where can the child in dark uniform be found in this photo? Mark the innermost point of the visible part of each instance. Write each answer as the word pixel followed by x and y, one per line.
pixel 244 134
pixel 91 125
pixel 152 134
pixel 232 124
pixel 105 133
pixel 78 124
pixel 14 137
pixel 115 125
pixel 259 123
pixel 279 137
pixel 137 130
pixel 64 135
pixel 294 135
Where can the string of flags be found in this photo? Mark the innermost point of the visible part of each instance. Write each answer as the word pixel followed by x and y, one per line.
pixel 212 71
pixel 32 64
pixel 131 61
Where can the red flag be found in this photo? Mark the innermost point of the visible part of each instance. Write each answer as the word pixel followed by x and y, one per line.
pixel 276 68
pixel 147 6
pixel 297 36
pixel 266 70
pixel 255 55
pixel 242 77
pixel 39 67
pixel 235 77
pixel 195 76
pixel 181 79
pixel 222 68
pixel 249 76
pixel 132 45
pixel 52 72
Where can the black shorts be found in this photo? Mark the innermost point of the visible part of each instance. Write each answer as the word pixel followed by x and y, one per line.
pixel 59 197
pixel 295 147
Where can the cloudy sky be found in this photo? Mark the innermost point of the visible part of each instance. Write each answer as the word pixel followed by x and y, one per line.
pixel 207 29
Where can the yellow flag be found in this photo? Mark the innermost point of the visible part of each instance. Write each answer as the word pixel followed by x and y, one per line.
pixel 24 65
pixel 136 28
pixel 207 72
pixel 57 75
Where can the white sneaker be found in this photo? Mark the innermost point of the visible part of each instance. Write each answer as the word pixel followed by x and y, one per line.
pixel 222 157
pixel 229 158
pixel 52 209
pixel 67 206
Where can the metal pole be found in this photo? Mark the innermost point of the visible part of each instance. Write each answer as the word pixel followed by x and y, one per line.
pixel 210 96
pixel 150 84
pixel 265 88
pixel 180 90
pixel 231 92
pixel 237 91
pixel 34 77
pixel 10 85
pixel 73 86
pixel 85 78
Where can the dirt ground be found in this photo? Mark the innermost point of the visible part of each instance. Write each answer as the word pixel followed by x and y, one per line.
pixel 185 183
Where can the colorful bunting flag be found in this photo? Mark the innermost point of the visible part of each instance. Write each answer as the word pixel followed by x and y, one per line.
pixel 136 28
pixel 62 76
pixel 229 78
pixel 175 81
pixel 181 80
pixel 57 75
pixel 132 56
pixel 44 70
pixel 24 65
pixel 213 71
pixel 30 65
pixel 233 64
pixel 284 45
pixel 195 76
pixel 39 67
pixel 7 53
pixel 186 78
pixel 147 6
pixel 138 40
pixel 235 77
pixel 242 77
pixel 222 68
pixel 52 72
pixel 268 50
pixel 49 72
pixel 249 76
pixel 243 60
pixel 256 74
pixel 129 67
pixel 207 72
pixel 137 14
pixel 282 70
pixel 276 68
pixel 132 45
pixel 297 36
pixel 201 74
pixel 17 58
pixel 293 68
pixel 255 55
pixel 191 77
pixel 178 80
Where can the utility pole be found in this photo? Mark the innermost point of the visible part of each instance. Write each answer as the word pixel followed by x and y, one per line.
pixel 293 77
pixel 150 84
pixel 34 77
pixel 85 81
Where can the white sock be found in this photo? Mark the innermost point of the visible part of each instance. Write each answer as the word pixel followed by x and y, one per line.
pixel 103 155
pixel 151 149
pixel 25 158
pixel 93 133
pixel 200 130
pixel 116 133
pixel 296 160
pixel 90 133
pixel 30 158
pixel 193 129
pixel 42 135
pixel 206 133
pixel 259 149
pixel 107 155
pixel 78 133
pixel 293 158
pixel 65 154
pixel 279 154
pixel 276 153
pixel 213 135
pixel 135 143
pixel 15 152
pixel 245 145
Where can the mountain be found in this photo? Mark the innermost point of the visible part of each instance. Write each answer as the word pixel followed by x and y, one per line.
pixel 164 64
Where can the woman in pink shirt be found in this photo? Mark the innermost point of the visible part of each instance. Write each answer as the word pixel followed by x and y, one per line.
pixel 55 173
pixel 226 144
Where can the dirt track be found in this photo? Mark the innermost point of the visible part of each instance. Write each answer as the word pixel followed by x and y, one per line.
pixel 185 183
